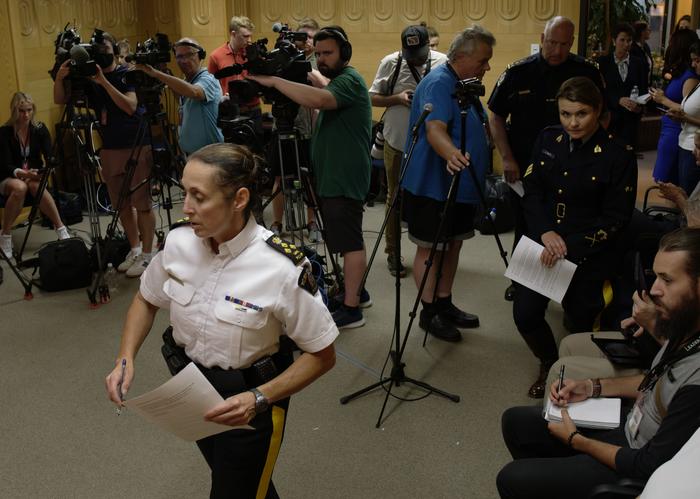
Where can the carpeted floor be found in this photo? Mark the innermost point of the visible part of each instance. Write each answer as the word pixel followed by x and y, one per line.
pixel 61 437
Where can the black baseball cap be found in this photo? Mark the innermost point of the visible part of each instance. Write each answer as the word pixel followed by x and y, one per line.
pixel 415 42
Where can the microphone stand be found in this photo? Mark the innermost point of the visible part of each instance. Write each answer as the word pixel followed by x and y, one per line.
pixel 397 375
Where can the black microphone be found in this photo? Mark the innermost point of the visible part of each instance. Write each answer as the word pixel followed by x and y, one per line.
pixel 234 69
pixel 277 27
pixel 427 109
pixel 79 54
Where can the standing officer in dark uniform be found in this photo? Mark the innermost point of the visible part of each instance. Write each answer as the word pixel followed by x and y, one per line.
pixel 580 190
pixel 523 102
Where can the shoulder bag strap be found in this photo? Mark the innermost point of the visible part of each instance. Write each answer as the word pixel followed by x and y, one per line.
pixel 395 76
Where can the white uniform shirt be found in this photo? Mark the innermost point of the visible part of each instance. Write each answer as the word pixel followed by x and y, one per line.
pixel 396 117
pixel 228 310
pixel 677 478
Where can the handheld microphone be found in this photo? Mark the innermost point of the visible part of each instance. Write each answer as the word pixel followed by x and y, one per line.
pixel 427 109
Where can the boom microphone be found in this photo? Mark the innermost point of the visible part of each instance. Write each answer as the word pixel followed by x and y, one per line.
pixel 234 69
pixel 79 54
pixel 277 27
pixel 427 109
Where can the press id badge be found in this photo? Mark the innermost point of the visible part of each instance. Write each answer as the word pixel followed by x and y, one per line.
pixel 634 420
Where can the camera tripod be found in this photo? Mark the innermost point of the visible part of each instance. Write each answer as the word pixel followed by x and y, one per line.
pixel 296 185
pixel 162 171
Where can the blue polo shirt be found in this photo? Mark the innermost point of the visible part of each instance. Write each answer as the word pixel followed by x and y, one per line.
pixel 198 118
pixel 426 174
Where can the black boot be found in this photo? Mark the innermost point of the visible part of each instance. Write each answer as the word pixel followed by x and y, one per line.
pixel 539 387
pixel 435 324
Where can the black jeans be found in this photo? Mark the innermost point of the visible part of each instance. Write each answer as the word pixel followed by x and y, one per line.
pixel 543 467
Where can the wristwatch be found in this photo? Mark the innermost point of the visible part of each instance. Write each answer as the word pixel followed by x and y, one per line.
pixel 261 402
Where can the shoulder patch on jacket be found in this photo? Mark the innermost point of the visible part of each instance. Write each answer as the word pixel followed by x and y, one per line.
pixel 306 279
pixel 286 248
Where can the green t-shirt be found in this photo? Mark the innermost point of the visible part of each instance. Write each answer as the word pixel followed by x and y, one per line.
pixel 341 141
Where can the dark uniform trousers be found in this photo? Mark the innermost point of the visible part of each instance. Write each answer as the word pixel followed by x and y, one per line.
pixel 543 467
pixel 582 304
pixel 241 461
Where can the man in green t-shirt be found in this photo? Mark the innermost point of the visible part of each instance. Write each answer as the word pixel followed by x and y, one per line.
pixel 340 155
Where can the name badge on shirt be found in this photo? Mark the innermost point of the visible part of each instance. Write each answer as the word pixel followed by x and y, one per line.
pixel 634 420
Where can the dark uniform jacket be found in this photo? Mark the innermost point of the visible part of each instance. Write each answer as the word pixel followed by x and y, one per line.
pixel 10 149
pixel 586 195
pixel 525 93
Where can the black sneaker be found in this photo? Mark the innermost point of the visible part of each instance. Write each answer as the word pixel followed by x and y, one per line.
pixel 390 260
pixel 335 302
pixel 348 318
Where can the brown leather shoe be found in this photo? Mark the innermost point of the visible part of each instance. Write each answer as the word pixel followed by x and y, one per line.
pixel 538 388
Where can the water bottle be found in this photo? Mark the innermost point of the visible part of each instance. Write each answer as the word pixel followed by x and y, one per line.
pixel 634 95
pixel 110 279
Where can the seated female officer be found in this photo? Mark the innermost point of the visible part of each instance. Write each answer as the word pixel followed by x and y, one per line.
pixel 233 288
pixel 579 192
pixel 23 142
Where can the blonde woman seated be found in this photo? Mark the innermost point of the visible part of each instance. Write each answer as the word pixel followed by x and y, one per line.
pixel 25 144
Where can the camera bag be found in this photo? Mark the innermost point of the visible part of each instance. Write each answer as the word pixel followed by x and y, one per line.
pixel 64 264
pixel 498 208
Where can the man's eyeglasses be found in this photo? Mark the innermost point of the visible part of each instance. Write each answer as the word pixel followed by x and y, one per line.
pixel 187 55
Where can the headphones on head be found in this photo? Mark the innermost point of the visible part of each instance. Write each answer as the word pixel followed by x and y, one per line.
pixel 201 53
pixel 337 35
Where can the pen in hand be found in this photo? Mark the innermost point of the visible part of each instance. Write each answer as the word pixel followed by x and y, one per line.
pixel 119 386
pixel 561 381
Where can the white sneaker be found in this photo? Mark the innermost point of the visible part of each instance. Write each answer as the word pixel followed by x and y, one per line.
pixel 6 244
pixel 63 233
pixel 128 261
pixel 138 266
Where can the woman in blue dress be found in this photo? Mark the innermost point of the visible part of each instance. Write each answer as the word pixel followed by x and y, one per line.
pixel 682 79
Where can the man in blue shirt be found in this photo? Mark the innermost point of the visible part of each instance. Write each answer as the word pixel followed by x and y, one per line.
pixel 435 159
pixel 199 93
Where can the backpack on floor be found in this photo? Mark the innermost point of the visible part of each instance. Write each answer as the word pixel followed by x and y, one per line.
pixel 64 264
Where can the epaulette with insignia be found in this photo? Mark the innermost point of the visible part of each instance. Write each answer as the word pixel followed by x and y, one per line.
pixel 288 249
pixel 180 223
pixel 522 61
pixel 592 63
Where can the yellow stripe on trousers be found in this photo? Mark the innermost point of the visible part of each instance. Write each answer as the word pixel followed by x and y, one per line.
pixel 607 300
pixel 278 415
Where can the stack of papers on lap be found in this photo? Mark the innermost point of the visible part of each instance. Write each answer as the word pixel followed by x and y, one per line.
pixel 601 413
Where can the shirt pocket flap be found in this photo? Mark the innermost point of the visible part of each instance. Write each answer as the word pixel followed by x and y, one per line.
pixel 178 292
pixel 239 315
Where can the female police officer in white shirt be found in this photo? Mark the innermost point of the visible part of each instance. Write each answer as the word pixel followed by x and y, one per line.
pixel 233 289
